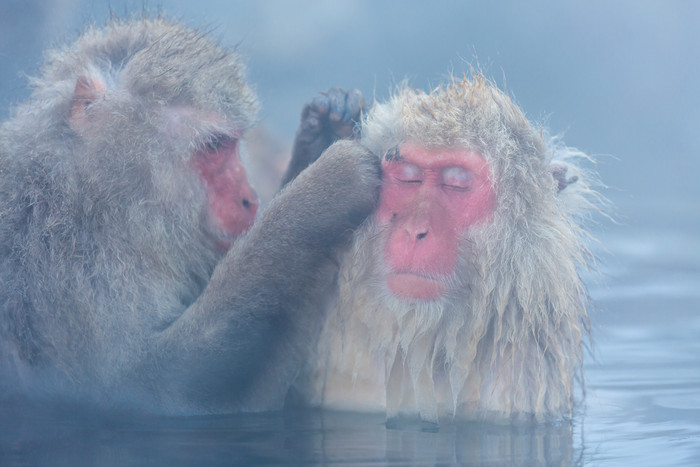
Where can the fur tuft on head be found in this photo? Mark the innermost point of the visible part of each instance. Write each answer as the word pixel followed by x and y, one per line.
pixel 158 60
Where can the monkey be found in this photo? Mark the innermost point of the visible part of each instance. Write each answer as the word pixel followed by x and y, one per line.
pixel 461 296
pixel 135 270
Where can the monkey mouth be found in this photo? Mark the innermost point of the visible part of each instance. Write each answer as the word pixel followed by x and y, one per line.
pixel 415 286
pixel 220 239
pixel 222 242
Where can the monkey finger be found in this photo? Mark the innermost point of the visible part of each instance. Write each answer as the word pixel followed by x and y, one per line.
pixel 311 124
pixel 337 99
pixel 343 126
pixel 321 104
pixel 318 105
pixel 354 105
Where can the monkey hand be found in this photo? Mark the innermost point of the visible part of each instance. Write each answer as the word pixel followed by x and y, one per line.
pixel 326 118
pixel 335 193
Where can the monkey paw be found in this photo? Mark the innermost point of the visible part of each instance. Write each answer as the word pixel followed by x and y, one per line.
pixel 326 118
pixel 331 115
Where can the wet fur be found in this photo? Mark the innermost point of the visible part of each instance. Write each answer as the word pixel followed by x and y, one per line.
pixel 506 341
pixel 110 289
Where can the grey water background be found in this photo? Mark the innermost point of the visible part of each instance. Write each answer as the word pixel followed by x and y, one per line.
pixel 618 79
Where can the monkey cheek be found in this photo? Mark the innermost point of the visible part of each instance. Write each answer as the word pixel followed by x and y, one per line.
pixel 235 222
pixel 415 287
pixel 223 224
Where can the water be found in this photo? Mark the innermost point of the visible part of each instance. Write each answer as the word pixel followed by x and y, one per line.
pixel 643 401
pixel 642 404
pixel 62 436
pixel 619 78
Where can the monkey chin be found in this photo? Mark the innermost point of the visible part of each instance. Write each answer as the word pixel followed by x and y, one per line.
pixel 221 240
pixel 412 286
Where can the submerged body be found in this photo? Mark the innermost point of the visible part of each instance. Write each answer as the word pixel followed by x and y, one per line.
pixel 127 276
pixel 461 295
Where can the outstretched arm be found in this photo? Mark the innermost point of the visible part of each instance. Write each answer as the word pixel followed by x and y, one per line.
pixel 240 344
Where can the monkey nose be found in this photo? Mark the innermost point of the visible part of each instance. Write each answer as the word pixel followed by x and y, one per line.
pixel 248 199
pixel 418 224
pixel 250 204
pixel 417 230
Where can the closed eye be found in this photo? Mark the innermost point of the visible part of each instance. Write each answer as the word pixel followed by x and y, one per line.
pixel 408 173
pixel 457 179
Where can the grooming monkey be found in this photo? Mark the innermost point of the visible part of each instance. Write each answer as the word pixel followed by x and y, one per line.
pixel 131 273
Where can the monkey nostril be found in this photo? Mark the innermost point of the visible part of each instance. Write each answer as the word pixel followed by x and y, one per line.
pixel 246 203
pixel 422 235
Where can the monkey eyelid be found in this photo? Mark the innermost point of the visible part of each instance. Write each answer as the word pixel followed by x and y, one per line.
pixel 407 173
pixel 411 181
pixel 457 188
pixel 219 140
pixel 457 178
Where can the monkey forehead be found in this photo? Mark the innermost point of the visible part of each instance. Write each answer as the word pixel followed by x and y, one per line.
pixel 180 65
pixel 160 62
pixel 181 119
pixel 467 113
pixel 429 157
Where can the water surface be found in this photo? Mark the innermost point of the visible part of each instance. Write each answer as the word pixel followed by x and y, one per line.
pixel 642 402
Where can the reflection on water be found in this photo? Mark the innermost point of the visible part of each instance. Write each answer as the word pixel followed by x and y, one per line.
pixel 642 403
pixel 38 434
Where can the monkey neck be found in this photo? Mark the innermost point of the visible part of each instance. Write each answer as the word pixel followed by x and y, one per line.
pixel 379 353
pixel 473 355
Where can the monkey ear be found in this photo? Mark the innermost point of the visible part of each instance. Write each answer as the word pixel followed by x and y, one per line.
pixel 87 90
pixel 559 172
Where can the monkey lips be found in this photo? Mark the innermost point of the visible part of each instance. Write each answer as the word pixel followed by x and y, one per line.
pixel 415 286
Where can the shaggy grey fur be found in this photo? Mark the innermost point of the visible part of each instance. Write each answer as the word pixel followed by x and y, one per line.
pixel 110 289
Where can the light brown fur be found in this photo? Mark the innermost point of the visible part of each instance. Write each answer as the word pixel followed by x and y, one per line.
pixel 506 340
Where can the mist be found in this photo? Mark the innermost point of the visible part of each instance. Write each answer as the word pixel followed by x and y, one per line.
pixel 617 79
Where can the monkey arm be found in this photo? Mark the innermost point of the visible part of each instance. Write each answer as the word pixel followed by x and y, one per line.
pixel 243 339
pixel 326 118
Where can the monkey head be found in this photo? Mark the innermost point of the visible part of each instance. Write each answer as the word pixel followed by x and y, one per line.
pixel 154 97
pixel 455 161
pixel 461 295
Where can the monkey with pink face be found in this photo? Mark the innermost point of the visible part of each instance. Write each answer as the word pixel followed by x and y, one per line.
pixel 131 271
pixel 461 296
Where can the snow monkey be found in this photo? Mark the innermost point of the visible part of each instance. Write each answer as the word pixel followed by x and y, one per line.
pixel 126 278
pixel 460 296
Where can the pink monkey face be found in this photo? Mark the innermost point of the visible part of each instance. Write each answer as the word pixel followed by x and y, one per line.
pixel 429 198
pixel 232 201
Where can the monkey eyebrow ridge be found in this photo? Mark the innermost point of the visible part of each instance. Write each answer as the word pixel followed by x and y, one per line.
pixel 218 140
pixel 393 155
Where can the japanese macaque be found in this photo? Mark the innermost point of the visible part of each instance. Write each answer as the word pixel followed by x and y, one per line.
pixel 461 295
pixel 126 278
